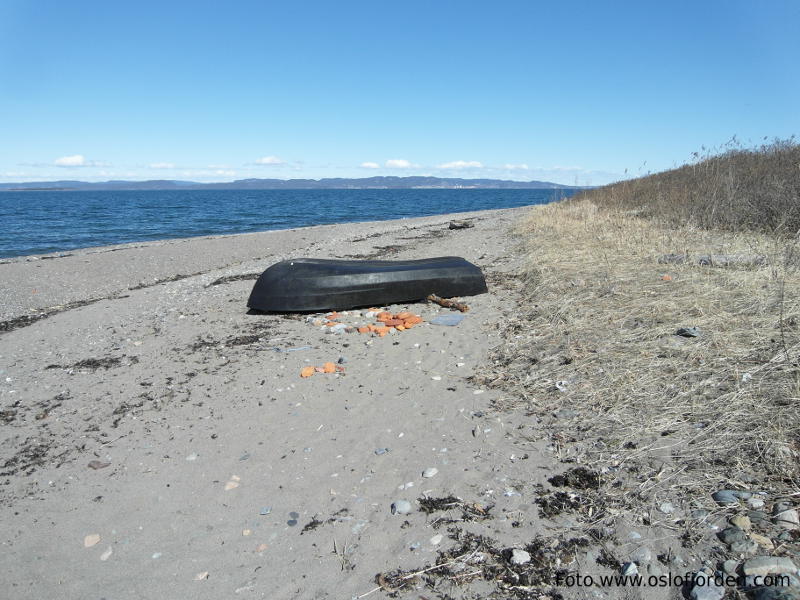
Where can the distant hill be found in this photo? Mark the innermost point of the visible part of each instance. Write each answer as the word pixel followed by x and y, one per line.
pixel 290 184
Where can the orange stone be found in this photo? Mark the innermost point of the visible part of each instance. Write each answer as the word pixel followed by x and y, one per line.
pixel 306 371
pixel 404 315
pixel 363 330
pixel 329 367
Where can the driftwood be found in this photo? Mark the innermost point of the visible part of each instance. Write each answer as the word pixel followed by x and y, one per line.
pixel 715 260
pixel 451 304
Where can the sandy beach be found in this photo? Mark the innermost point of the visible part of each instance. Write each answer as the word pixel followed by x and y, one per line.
pixel 221 472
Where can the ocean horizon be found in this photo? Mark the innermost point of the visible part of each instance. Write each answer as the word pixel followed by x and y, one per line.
pixel 46 222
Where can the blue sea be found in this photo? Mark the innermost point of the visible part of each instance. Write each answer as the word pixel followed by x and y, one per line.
pixel 41 222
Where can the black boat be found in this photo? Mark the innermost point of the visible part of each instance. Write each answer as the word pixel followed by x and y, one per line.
pixel 312 284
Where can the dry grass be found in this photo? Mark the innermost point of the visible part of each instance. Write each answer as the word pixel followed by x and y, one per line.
pixel 738 189
pixel 596 334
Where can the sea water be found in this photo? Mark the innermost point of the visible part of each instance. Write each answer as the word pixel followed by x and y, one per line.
pixel 41 222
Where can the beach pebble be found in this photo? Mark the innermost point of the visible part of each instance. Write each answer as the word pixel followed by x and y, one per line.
pixel 265 510
pixel 430 472
pixel 341 360
pixel 723 497
pixel 436 378
pixel 787 519
pixel 642 555
pixel 414 546
pixel 699 513
pixel 192 456
pixel 709 590
pixel 765 565
pixel 401 507
pixel 201 576
pixel 775 593
pixel 629 569
pixel 520 557
pixel 107 554
pixel 742 522
pixel 756 502
pixel 762 541
pixel 730 566
pixel 689 332
pixel 379 451
pixel 91 539
pixel 666 507
pixel 437 539
pixel 744 547
pixel 731 535
pixel 634 535
pixel 156 555
pixel 98 464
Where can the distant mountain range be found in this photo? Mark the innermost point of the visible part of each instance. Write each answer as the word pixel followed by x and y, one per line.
pixel 365 183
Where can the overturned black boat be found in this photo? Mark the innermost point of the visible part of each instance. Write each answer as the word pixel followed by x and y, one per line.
pixel 311 284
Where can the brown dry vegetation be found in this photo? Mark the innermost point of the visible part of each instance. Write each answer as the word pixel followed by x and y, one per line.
pixel 741 189
pixel 597 331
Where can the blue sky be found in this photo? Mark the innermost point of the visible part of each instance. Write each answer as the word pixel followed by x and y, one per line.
pixel 211 91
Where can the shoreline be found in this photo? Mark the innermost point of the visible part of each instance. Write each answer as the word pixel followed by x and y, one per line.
pixel 38 282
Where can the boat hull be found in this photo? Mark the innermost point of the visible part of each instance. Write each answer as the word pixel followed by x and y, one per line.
pixel 312 284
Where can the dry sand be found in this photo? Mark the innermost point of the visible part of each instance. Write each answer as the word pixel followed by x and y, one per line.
pixel 142 364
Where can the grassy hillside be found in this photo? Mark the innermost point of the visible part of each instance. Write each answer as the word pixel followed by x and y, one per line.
pixel 613 274
pixel 756 189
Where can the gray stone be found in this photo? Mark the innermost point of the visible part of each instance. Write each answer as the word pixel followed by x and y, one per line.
pixel 666 507
pixel 725 497
pixel 787 519
pixel 379 451
pixel 757 516
pixel 565 413
pixel 629 569
pixel 401 507
pixel 729 566
pixel 764 565
pixel 708 590
pixel 342 360
pixel 689 332
pixel 741 522
pixel 519 557
pixel 779 507
pixel 699 514
pixel 775 593
pixel 756 502
pixel 430 472
pixel 744 547
pixel 731 535
pixel 634 535
pixel 642 555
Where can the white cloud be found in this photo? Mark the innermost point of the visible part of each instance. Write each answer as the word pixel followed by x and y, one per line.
pixel 225 172
pixel 399 163
pixel 519 167
pixel 76 160
pixel 370 165
pixel 161 165
pixel 270 160
pixel 461 164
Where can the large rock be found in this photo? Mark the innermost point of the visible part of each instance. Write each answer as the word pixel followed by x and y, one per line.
pixel 766 565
